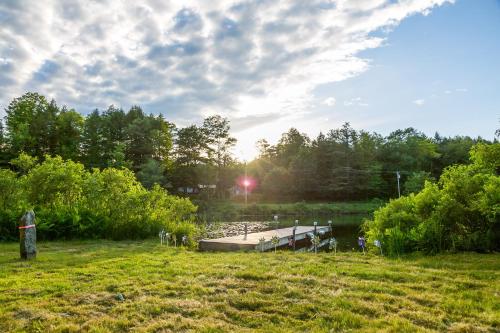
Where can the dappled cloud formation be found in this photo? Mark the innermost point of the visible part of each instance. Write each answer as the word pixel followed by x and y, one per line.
pixel 254 61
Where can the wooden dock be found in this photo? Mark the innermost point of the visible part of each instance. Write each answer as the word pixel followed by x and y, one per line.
pixel 252 240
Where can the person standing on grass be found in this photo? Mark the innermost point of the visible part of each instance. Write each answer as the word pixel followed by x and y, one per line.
pixel 362 243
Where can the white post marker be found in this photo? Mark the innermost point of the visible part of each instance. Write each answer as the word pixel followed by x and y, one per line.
pixel 333 245
pixel 379 245
pixel 262 241
pixel 315 240
pixel 275 240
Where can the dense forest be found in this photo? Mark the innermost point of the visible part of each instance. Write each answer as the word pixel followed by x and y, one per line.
pixel 342 164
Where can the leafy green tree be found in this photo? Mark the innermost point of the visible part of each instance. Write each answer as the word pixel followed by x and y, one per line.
pixel 24 163
pixel 162 141
pixel 118 157
pixel 343 174
pixel 93 141
pixel 4 148
pixel 148 137
pixel 25 123
pixel 409 150
pixel 303 176
pixel 189 151
pixel 277 183
pixel 452 151
pixel 55 181
pixel 44 128
pixel 416 182
pixel 13 203
pixel 2 136
pixel 369 178
pixel 219 143
pixel 114 125
pixel 289 146
pixel 134 113
pixel 265 149
pixel 69 128
pixel 151 173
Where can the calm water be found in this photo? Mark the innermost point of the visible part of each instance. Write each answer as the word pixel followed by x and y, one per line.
pixel 346 228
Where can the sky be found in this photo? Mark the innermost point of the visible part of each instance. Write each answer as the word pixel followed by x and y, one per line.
pixel 266 65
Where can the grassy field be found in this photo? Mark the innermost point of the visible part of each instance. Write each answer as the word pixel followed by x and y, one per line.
pixel 74 286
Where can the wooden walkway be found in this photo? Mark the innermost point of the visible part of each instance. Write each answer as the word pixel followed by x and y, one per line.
pixel 252 240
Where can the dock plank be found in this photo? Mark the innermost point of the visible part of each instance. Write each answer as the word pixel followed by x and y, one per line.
pixel 251 241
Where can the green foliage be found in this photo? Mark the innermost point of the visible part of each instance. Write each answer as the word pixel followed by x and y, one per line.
pixel 71 202
pixel 416 182
pixel 26 123
pixel 342 165
pixel 24 163
pixel 276 182
pixel 69 128
pixel 151 173
pixel 13 203
pixel 345 164
pixel 461 212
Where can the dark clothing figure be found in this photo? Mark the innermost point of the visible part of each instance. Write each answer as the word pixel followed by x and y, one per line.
pixel 362 243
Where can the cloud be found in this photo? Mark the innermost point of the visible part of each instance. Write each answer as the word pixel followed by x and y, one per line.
pixel 191 58
pixel 419 102
pixel 330 101
pixel 461 90
pixel 356 101
pixel 248 122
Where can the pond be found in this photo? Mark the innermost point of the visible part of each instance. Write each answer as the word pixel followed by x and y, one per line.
pixel 346 227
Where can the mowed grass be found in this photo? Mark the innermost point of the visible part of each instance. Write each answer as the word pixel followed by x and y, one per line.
pixel 73 287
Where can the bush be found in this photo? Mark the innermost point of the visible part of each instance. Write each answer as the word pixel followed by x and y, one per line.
pixel 461 212
pixel 71 202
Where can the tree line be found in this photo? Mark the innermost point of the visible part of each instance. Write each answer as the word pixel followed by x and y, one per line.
pixel 345 164
pixel 155 149
pixel 342 164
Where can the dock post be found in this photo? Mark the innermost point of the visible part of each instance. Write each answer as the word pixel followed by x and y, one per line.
pixel 315 235
pixel 246 230
pixel 330 227
pixel 294 231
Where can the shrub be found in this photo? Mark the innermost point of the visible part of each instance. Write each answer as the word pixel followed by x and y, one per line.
pixel 71 202
pixel 461 212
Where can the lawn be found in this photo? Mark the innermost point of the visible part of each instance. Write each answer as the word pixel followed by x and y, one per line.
pixel 75 286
